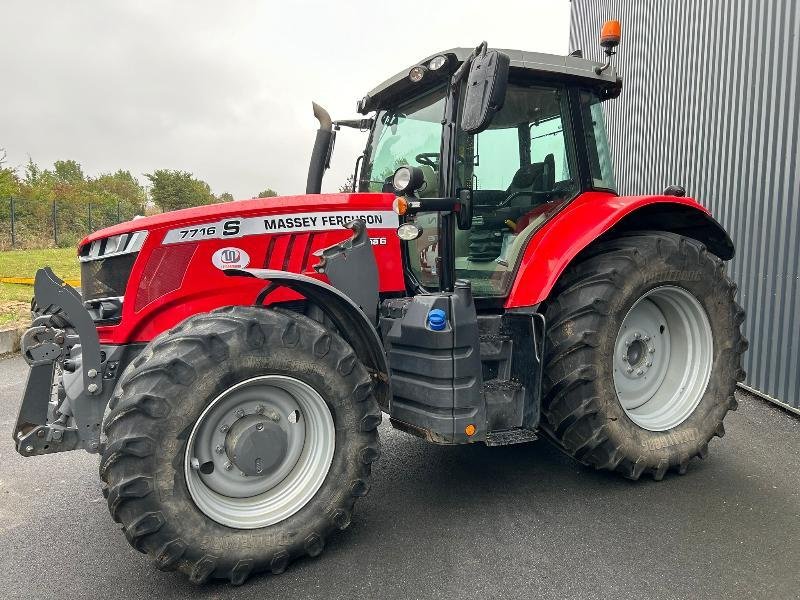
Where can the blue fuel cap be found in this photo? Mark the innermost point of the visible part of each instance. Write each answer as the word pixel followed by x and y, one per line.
pixel 437 319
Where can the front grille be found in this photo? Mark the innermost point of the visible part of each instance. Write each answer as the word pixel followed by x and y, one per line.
pixel 106 277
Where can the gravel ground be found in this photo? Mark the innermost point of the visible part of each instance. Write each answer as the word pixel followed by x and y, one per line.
pixel 444 522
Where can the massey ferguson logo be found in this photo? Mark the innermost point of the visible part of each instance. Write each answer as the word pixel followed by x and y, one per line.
pixel 230 258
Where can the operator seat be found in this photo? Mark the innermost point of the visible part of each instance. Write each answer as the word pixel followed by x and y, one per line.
pixel 535 177
pixel 486 238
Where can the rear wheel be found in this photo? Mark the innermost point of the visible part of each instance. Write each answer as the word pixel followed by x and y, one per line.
pixel 644 351
pixel 239 441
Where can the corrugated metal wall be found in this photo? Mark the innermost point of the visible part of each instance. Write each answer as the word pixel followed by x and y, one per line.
pixel 710 101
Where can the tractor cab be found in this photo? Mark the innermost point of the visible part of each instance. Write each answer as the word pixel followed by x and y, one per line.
pixel 541 141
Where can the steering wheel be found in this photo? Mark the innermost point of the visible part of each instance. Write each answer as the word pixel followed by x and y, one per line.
pixel 427 159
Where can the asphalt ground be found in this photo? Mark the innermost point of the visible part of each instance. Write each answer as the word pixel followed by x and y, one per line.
pixel 449 522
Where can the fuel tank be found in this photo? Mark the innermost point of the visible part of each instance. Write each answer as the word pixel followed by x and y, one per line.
pixel 144 276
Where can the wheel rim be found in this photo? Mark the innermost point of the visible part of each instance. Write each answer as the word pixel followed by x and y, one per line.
pixel 662 358
pixel 259 452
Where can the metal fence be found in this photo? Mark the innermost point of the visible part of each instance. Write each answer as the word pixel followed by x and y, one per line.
pixel 35 223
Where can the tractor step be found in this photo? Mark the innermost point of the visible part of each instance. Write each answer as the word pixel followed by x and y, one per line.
pixel 510 436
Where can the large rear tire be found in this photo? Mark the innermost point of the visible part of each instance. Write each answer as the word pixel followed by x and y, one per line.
pixel 644 352
pixel 238 442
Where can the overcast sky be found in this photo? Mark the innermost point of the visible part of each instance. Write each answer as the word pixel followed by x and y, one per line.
pixel 224 89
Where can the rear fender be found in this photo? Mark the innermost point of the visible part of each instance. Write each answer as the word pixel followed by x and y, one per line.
pixel 594 214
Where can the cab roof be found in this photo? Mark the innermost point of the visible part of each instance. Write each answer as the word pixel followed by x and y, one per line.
pixel 399 87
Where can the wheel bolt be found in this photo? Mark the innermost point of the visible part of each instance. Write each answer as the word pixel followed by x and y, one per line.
pixel 651 349
pixel 624 358
pixel 223 429
pixel 240 413
pixel 228 466
pixel 637 335
pixel 630 369
pixel 649 363
pixel 219 449
pixel 640 372
pixel 260 409
pixel 260 426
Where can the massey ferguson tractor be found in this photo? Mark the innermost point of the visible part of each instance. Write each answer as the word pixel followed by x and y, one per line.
pixel 482 283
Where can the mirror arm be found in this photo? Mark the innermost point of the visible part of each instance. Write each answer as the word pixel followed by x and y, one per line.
pixel 464 68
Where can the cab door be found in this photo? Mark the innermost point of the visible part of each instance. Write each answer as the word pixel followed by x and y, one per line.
pixel 522 170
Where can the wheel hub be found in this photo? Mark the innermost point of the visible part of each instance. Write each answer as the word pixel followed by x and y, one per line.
pixel 256 445
pixel 638 353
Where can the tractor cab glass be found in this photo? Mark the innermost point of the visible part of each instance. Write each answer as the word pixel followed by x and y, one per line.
pixel 408 135
pixel 521 170
pixel 597 150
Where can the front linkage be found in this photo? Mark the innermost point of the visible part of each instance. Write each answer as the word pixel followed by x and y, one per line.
pixel 63 341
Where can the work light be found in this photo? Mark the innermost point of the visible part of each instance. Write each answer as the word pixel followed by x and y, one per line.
pixel 417 73
pixel 437 62
pixel 407 179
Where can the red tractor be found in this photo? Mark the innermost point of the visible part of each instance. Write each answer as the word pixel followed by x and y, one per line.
pixel 482 283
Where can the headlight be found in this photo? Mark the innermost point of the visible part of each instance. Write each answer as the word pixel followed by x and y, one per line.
pixel 437 62
pixel 401 179
pixel 407 179
pixel 408 232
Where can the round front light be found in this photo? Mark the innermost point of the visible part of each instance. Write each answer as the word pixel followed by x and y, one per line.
pixel 437 62
pixel 408 232
pixel 417 73
pixel 401 179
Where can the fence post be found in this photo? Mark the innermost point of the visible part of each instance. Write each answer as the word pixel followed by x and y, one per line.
pixel 55 228
pixel 13 224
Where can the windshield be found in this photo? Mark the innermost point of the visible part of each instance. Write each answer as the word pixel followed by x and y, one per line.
pixel 408 135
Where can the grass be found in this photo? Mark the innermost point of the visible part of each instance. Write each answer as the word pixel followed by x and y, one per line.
pixel 15 299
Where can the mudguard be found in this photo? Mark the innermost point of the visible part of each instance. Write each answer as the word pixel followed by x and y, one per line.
pixel 592 214
pixel 352 323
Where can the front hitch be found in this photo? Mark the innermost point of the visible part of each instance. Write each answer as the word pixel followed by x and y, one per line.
pixel 62 335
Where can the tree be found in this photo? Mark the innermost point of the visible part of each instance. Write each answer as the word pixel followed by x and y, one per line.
pixel 68 171
pixel 267 193
pixel 225 197
pixel 172 190
pixel 9 182
pixel 348 185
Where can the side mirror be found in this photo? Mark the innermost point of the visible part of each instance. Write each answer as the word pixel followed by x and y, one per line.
pixel 486 90
pixel 464 214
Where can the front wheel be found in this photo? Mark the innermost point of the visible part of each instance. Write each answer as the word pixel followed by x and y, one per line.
pixel 644 352
pixel 239 441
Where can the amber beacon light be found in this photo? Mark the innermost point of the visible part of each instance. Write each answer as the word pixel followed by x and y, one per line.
pixel 610 35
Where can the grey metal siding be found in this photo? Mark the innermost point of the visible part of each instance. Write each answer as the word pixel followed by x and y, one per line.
pixel 710 101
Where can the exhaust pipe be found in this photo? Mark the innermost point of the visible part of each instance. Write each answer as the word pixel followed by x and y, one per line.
pixel 321 154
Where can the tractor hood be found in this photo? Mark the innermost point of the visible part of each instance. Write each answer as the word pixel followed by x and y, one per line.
pixel 210 214
pixel 149 274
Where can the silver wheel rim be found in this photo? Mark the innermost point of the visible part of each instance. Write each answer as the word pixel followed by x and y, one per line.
pixel 662 358
pixel 259 452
